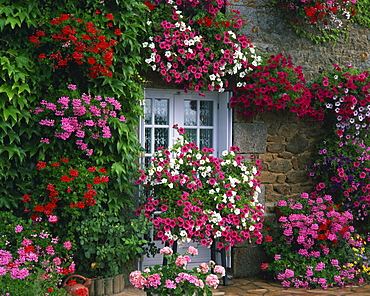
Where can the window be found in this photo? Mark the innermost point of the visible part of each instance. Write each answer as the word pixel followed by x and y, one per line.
pixel 207 120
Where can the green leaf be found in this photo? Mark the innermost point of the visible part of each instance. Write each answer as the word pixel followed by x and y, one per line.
pixel 118 168
pixel 10 111
pixel 13 21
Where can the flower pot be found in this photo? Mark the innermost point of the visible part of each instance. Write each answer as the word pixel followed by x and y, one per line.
pixel 151 294
pixel 107 286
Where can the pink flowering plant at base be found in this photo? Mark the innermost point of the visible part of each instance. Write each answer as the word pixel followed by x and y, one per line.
pixel 32 261
pixel 201 197
pixel 174 279
pixel 313 245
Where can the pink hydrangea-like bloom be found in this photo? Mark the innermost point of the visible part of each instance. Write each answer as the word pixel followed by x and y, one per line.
pixel 57 261
pixel 154 280
pixel 16 273
pixel 289 273
pixel 212 281
pixel 166 251
pixel 18 228
pixel 5 257
pixel 137 280
pixel 53 219
pixel 50 250
pixel 170 284
pixel 204 267
pixel 220 270
pixel 67 245
pixel 192 251
pixel 182 261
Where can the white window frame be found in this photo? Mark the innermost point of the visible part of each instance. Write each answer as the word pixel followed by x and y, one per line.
pixel 222 135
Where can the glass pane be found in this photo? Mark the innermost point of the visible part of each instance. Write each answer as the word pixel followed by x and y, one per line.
pixel 192 135
pixel 160 137
pixel 206 138
pixel 206 113
pixel 161 111
pixel 190 113
pixel 148 140
pixel 148 111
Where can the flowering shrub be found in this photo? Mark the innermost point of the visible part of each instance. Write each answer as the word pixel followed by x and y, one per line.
pixel 344 94
pixel 88 118
pixel 275 84
pixel 342 170
pixel 32 261
pixel 175 279
pixel 313 246
pixel 69 39
pixel 330 17
pixel 202 197
pixel 342 163
pixel 63 188
pixel 194 44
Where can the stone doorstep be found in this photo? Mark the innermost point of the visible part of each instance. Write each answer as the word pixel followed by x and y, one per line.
pixel 133 292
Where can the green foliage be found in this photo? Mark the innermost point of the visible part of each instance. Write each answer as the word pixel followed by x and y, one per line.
pixel 24 82
pixel 105 242
pixel 362 16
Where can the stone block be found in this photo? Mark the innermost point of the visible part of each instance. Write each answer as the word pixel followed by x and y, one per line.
pixel 280 166
pixel 298 177
pixel 250 137
pixel 297 144
pixel 246 260
pixel 275 147
pixel 267 177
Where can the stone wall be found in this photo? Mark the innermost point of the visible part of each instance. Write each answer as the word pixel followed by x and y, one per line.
pixel 285 145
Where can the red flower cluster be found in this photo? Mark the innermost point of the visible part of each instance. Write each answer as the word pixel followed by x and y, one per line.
pixel 68 189
pixel 81 43
pixel 323 12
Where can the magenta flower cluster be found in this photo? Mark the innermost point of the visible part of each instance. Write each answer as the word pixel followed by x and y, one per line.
pixel 87 118
pixel 174 277
pixel 201 197
pixel 275 85
pixel 313 247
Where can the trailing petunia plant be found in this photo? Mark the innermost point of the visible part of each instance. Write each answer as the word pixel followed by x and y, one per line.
pixel 192 195
pixel 314 245
pixel 193 43
pixel 344 96
pixel 174 279
pixel 342 164
pixel 274 85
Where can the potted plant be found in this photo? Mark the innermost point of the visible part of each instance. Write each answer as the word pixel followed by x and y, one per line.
pixel 201 197
pixel 175 279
